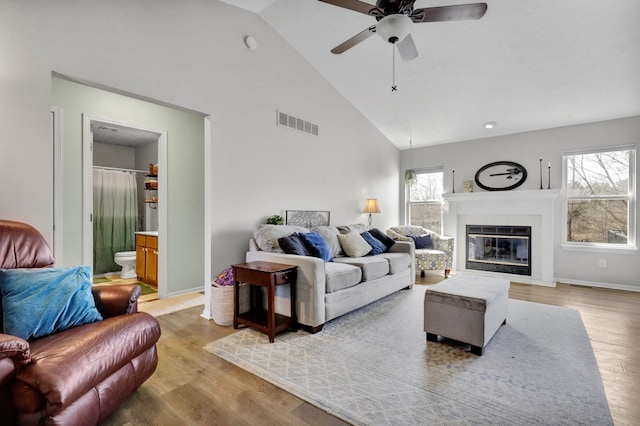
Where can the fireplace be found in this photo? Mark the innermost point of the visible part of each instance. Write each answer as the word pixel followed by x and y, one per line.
pixel 505 249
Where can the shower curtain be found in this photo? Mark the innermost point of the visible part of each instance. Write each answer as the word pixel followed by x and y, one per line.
pixel 115 215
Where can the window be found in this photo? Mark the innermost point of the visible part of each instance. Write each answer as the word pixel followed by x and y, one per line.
pixel 600 198
pixel 425 201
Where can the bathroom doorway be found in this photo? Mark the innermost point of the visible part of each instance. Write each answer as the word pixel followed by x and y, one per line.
pixel 122 173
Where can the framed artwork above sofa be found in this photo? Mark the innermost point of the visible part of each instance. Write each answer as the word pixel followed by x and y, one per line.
pixel 307 218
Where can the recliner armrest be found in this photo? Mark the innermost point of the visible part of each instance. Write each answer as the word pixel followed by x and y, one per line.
pixel 112 300
pixel 15 348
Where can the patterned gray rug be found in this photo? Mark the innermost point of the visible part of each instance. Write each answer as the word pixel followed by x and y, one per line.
pixel 374 367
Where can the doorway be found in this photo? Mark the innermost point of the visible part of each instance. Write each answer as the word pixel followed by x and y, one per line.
pixel 126 151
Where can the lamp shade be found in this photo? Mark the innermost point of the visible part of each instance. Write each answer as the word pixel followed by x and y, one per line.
pixel 394 28
pixel 371 206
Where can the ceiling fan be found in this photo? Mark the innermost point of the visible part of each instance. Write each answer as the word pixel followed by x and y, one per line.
pixel 395 18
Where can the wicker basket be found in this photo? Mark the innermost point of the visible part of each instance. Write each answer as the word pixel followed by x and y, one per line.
pixel 222 302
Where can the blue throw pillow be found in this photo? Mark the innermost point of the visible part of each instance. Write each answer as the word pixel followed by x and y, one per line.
pixel 293 244
pixel 377 246
pixel 40 302
pixel 380 236
pixel 316 245
pixel 423 241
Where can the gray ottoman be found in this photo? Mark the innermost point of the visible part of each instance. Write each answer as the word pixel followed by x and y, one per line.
pixel 466 308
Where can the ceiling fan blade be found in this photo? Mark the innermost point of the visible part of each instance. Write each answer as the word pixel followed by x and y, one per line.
pixel 358 6
pixel 407 48
pixel 358 38
pixel 450 13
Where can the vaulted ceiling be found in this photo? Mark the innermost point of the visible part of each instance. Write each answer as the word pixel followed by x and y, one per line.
pixel 526 65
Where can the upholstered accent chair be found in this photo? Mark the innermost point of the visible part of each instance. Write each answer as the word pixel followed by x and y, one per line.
pixel 436 256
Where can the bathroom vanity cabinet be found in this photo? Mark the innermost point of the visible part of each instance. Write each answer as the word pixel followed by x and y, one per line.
pixel 147 258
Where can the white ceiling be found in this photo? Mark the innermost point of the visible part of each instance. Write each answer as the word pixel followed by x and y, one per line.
pixel 526 65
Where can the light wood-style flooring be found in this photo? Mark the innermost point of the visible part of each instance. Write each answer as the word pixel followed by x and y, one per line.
pixel 193 387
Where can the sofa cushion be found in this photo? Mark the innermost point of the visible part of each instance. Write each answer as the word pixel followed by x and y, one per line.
pixel 397 261
pixel 330 235
pixel 423 241
pixel 293 244
pixel 380 236
pixel 376 245
pixel 354 245
pixel 316 246
pixel 39 302
pixel 372 266
pixel 341 276
pixel 266 236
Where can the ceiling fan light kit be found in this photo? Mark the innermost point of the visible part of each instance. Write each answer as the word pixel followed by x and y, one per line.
pixel 393 28
pixel 395 18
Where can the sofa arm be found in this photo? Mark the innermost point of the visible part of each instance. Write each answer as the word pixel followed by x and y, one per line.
pixel 310 284
pixel 15 348
pixel 409 248
pixel 445 244
pixel 112 300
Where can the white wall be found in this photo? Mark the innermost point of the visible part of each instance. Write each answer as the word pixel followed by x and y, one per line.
pixel 191 54
pixel 623 270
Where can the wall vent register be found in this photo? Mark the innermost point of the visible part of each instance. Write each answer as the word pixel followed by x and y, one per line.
pixel 295 123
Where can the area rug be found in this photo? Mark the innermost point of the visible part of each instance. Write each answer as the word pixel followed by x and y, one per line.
pixel 374 367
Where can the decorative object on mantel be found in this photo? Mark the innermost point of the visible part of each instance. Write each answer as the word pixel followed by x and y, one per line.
pixel 501 176
pixel 371 206
pixel 307 218
pixel 276 219
pixel 468 186
pixel 549 178
pixel 540 172
pixel 453 181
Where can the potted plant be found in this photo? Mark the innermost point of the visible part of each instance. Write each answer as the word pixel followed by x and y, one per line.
pixel 410 177
pixel 275 220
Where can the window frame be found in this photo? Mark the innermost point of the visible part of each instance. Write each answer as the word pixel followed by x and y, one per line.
pixel 601 247
pixel 409 203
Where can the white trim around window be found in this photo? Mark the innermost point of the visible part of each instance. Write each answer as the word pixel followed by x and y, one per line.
pixel 601 247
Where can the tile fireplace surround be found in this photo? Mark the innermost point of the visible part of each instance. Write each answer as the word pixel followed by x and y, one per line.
pixel 534 208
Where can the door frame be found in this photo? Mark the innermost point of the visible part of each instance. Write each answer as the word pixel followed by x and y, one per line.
pixel 87 193
pixel 56 135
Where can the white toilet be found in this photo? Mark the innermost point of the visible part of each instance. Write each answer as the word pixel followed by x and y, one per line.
pixel 126 259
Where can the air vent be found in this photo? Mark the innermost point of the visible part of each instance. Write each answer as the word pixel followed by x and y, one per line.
pixel 295 123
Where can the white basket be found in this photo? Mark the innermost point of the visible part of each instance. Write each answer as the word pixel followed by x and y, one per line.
pixel 222 302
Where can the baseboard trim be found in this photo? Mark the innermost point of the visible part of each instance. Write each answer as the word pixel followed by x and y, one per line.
pixel 598 284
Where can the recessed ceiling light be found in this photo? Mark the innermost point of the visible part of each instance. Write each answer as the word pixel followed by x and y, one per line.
pixel 489 124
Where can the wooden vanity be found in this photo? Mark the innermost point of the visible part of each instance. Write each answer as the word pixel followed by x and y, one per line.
pixel 147 257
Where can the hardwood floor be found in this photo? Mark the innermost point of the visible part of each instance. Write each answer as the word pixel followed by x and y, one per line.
pixel 192 386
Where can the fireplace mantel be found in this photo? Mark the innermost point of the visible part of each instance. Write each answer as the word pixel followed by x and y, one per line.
pixel 535 208
pixel 529 194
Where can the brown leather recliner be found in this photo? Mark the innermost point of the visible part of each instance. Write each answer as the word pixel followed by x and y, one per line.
pixel 77 376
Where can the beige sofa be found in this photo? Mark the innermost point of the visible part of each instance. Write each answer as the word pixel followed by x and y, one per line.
pixel 327 290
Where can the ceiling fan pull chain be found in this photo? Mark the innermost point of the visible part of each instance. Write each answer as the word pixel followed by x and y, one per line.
pixel 394 88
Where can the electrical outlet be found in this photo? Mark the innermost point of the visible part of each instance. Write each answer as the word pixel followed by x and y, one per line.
pixel 602 263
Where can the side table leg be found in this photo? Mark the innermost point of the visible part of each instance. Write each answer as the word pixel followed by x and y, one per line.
pixel 271 311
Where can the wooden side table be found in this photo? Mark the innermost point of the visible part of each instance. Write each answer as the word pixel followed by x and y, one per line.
pixel 264 275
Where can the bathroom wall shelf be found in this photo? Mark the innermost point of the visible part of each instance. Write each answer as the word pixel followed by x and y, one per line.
pixel 151 189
